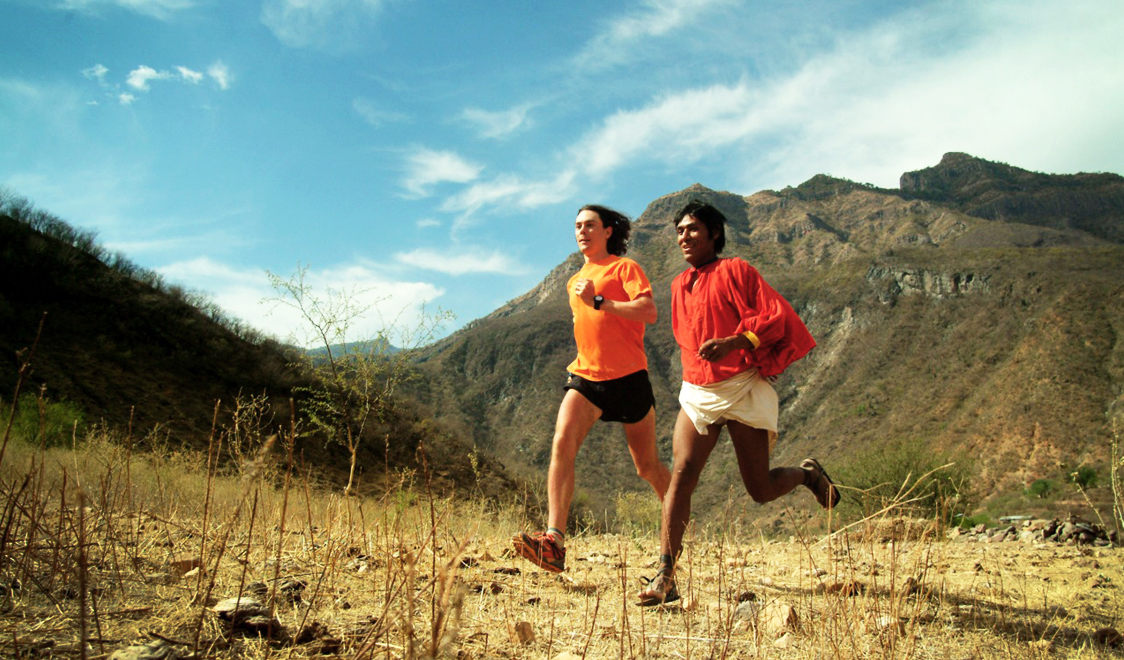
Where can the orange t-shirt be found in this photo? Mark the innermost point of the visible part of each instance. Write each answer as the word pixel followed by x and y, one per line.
pixel 608 346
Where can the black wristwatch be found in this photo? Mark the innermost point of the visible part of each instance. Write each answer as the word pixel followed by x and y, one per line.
pixel 597 300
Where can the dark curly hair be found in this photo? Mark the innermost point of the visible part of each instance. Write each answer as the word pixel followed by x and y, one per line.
pixel 708 215
pixel 622 227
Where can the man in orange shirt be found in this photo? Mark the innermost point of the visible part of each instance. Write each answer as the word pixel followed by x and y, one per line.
pixel 735 333
pixel 612 302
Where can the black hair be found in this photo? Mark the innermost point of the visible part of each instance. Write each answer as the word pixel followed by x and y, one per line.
pixel 622 227
pixel 708 215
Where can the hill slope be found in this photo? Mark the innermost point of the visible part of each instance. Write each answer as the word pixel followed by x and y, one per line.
pixel 939 319
pixel 130 354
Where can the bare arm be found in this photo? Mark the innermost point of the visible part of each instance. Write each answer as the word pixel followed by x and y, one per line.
pixel 641 309
pixel 715 349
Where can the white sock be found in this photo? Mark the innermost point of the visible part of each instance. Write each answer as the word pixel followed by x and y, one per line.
pixel 559 537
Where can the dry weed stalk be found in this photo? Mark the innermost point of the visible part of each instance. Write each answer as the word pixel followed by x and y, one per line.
pixel 386 577
pixel 1117 479
pixel 24 372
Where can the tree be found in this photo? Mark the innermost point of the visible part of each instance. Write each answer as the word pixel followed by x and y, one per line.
pixel 355 378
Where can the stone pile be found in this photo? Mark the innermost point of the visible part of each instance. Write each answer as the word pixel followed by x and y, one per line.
pixel 1071 532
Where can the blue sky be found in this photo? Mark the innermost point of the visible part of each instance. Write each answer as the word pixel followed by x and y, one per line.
pixel 415 152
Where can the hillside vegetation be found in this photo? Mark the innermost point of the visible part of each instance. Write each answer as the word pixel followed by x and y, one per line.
pixel 978 311
pixel 96 342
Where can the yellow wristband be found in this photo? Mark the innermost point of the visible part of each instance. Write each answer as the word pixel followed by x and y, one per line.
pixel 752 339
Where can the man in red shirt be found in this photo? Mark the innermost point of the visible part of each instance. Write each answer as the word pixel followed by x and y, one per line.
pixel 611 300
pixel 734 333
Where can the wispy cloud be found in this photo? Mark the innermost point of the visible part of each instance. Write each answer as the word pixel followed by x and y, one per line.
pixel 220 74
pixel 96 72
pixel 193 77
pixel 461 261
pixel 509 190
pixel 140 77
pixel 619 39
pixel 498 124
pixel 376 115
pixel 891 98
pixel 426 168
pixel 161 9
pixel 674 127
pixel 331 25
pixel 391 305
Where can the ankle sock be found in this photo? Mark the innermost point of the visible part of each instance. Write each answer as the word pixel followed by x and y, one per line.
pixel 559 537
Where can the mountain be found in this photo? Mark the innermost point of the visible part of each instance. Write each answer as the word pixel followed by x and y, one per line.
pixel 1091 203
pixel 978 310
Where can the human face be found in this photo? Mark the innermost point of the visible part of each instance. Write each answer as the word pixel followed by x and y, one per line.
pixel 592 236
pixel 695 241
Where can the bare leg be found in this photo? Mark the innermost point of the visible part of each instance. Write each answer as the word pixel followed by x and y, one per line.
pixel 576 417
pixel 751 445
pixel 642 445
pixel 691 451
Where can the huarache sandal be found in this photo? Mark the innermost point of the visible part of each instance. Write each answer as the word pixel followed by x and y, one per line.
pixel 659 590
pixel 821 485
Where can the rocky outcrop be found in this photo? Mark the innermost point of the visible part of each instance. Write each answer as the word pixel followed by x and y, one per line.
pixel 893 282
pixel 1071 532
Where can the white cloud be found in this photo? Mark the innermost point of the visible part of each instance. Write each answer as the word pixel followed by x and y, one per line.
pixel 139 77
pixel 322 24
pixel 160 9
pixel 1031 83
pixel 428 222
pixel 678 126
pixel 508 190
pixel 220 74
pixel 391 305
pixel 125 98
pixel 1026 81
pixel 375 115
pixel 426 167
pixel 498 124
pixel 96 72
pixel 193 77
pixel 618 41
pixel 461 261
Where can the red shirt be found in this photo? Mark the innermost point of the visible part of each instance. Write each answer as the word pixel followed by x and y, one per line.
pixel 728 297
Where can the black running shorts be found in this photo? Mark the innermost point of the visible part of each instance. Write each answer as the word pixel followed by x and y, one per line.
pixel 626 400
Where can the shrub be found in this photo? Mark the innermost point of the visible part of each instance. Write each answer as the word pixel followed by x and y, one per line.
pixel 638 513
pixel 1041 488
pixel 907 472
pixel 42 421
pixel 1084 477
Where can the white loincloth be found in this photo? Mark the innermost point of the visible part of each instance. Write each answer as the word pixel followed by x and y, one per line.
pixel 746 398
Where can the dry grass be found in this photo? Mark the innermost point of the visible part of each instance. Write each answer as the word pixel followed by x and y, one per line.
pixel 101 549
